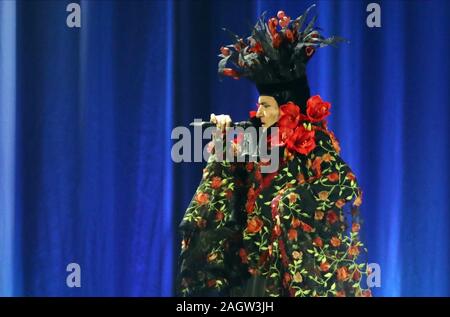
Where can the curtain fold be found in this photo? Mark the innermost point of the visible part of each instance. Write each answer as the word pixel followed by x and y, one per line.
pixel 86 116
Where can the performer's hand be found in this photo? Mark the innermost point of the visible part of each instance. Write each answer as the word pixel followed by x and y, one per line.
pixel 221 121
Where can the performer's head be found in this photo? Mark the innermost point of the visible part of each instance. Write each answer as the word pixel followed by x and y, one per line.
pixel 275 58
pixel 268 110
pixel 271 96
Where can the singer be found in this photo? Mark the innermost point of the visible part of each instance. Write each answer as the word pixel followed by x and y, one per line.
pixel 293 232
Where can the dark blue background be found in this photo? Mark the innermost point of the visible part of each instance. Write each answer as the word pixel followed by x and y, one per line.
pixel 86 114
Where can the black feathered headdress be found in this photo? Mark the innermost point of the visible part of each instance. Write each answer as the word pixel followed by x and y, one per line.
pixel 274 57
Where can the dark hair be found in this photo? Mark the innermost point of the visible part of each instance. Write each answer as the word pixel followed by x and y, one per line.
pixel 296 91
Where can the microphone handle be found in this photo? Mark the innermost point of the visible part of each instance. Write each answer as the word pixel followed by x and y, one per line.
pixel 207 124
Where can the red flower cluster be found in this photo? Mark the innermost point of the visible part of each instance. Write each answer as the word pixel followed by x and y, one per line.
pixel 317 109
pixel 295 130
pixel 283 21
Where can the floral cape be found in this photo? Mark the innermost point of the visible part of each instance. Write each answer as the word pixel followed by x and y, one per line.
pixel 295 231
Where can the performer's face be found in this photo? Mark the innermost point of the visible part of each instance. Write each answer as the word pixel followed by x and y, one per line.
pixel 268 111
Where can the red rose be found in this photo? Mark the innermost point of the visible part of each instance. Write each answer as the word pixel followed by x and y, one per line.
pixel 342 273
pixel 243 255
pixel 332 217
pixel 335 242
pixel 211 283
pixel 302 141
pixel 333 177
pixel 317 109
pixel 254 225
pixel 353 250
pixel 216 182
pixel 295 223
pixel 351 176
pixel 292 234
pixel 219 215
pixel 289 115
pixel 318 241
pixel 288 121
pixel 202 198
pixel 306 227
pixel 229 194
pixel 324 267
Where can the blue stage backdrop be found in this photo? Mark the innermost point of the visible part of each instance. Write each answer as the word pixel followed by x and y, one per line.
pixel 86 116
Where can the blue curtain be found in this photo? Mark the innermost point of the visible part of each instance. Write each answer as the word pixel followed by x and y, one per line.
pixel 86 116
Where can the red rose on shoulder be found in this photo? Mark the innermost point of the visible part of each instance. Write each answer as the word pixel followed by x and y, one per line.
pixel 317 109
pixel 302 141
pixel 288 121
pixel 289 115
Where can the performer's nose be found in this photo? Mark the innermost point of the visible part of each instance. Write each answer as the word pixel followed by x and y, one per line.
pixel 260 112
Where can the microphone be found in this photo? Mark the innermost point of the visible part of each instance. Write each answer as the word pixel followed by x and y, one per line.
pixel 207 124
